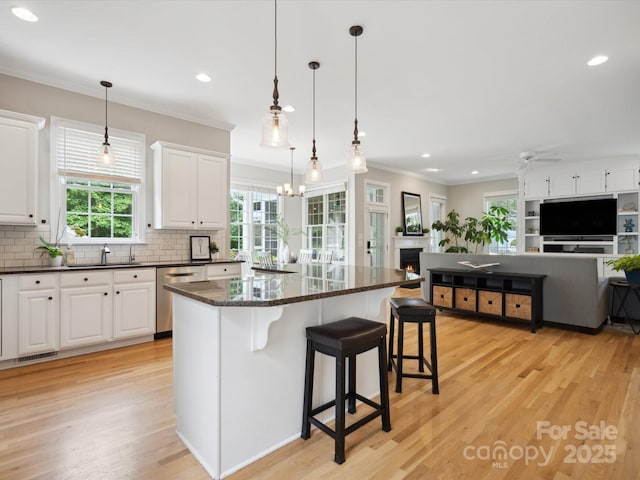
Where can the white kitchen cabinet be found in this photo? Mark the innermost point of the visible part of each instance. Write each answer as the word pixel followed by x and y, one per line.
pixel 581 182
pixel 536 185
pixel 134 302
pixel 38 314
pixel 19 164
pixel 622 179
pixel 86 308
pixel 223 270
pixel 191 187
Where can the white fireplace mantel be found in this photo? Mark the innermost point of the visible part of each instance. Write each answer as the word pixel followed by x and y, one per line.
pixel 400 242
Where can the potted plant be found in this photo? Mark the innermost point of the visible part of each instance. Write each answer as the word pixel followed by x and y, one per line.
pixel 425 230
pixel 54 253
pixel 213 249
pixel 630 264
pixel 284 232
pixel 399 231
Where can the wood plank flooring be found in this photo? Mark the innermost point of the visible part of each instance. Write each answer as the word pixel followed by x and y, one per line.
pixel 109 415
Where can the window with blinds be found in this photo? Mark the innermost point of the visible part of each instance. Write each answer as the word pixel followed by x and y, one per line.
pixel 96 201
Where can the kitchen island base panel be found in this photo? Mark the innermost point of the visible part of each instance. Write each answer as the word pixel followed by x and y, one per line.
pixel 233 404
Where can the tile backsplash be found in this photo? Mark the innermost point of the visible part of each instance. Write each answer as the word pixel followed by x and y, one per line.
pixel 18 247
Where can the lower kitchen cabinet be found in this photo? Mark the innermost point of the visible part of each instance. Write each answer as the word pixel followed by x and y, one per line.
pixel 134 303
pixel 38 314
pixel 86 308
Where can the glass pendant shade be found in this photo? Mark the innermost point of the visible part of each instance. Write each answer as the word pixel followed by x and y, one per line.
pixel 106 155
pixel 275 130
pixel 356 159
pixel 314 171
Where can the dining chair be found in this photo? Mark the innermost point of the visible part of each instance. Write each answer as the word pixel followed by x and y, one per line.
pixel 247 259
pixel 265 259
pixel 325 256
pixel 305 256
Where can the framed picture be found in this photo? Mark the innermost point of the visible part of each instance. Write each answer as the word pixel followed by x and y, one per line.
pixel 200 247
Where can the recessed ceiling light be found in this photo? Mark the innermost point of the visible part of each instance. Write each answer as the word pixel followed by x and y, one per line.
pixel 24 14
pixel 203 77
pixel 431 169
pixel 289 108
pixel 475 172
pixel 597 60
pixel 425 155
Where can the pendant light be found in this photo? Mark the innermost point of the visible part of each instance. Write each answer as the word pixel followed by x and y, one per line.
pixel 314 167
pixel 275 126
pixel 106 152
pixel 356 160
pixel 287 189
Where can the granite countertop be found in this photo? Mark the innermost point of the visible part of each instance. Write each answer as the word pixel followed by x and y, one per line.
pixel 94 266
pixel 292 283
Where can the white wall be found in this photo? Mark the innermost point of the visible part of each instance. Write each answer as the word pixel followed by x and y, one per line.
pixel 467 199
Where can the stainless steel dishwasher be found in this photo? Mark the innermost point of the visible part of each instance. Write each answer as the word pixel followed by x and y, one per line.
pixel 164 275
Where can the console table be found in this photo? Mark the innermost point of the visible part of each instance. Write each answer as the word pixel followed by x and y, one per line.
pixel 492 294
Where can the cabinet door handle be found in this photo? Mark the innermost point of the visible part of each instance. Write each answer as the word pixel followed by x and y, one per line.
pixel 192 222
pixel 117 293
pixel 31 215
pixel 105 294
pixel 50 298
pixel 201 222
pixel 37 282
pixel 135 276
pixel 490 302
pixel 465 299
pixel 517 305
pixel 86 279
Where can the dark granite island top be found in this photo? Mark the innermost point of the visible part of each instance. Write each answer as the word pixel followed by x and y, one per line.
pixel 291 283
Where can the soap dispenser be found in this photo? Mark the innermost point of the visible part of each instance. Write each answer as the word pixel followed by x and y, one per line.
pixel 70 258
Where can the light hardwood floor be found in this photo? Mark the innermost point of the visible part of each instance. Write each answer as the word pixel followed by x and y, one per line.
pixel 109 415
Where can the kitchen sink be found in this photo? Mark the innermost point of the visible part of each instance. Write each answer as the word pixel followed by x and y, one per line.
pixel 112 264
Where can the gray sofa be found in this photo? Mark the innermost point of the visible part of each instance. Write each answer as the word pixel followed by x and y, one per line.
pixel 573 293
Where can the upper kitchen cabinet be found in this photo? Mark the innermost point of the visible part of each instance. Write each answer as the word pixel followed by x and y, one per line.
pixel 584 178
pixel 191 187
pixel 19 162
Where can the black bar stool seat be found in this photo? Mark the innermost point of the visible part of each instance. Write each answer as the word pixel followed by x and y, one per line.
pixel 343 340
pixel 413 310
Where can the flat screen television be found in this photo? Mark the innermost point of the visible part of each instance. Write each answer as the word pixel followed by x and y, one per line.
pixel 579 217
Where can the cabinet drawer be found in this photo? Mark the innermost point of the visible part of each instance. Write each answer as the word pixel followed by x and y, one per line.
pixel 517 306
pixel 224 270
pixel 490 302
pixel 36 282
pixel 134 275
pixel 81 279
pixel 442 296
pixel 466 299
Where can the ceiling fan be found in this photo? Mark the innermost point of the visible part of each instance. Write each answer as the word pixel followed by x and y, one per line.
pixel 531 157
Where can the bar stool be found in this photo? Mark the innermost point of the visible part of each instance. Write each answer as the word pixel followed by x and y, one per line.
pixel 343 340
pixel 413 310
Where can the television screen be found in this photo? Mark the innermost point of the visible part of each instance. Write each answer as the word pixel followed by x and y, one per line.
pixel 581 217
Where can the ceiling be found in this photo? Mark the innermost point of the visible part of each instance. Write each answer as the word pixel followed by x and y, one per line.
pixel 473 83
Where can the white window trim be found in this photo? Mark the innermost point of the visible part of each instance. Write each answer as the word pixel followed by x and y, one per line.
pixel 56 188
pixel 502 194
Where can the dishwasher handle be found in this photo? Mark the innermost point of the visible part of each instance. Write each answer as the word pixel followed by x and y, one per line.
pixel 189 274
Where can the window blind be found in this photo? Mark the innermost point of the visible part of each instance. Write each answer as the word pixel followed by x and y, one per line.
pixel 77 155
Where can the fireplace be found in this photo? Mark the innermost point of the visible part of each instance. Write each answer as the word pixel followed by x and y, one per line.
pixel 410 261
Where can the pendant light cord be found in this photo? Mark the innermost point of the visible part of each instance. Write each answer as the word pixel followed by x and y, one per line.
pixel 275 39
pixel 356 78
pixel 313 151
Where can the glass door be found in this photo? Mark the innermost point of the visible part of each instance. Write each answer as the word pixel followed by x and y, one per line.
pixel 377 236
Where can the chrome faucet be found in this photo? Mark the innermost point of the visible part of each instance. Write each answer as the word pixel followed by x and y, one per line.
pixel 103 256
pixel 132 257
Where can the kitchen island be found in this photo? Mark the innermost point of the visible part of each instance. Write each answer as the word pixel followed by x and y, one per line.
pixel 239 354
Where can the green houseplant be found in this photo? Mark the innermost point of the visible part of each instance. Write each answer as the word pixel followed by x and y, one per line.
pixel 493 225
pixel 284 232
pixel 629 264
pixel 399 230
pixel 54 253
pixel 213 249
